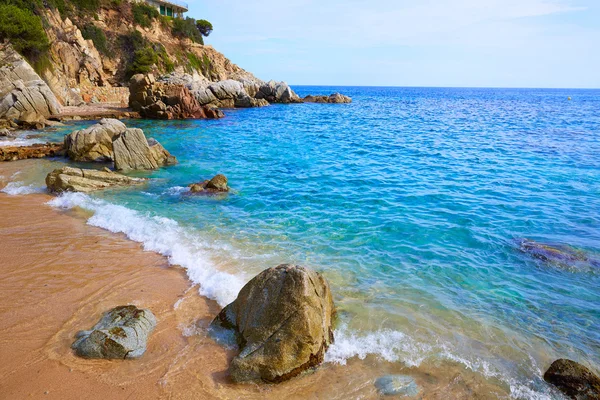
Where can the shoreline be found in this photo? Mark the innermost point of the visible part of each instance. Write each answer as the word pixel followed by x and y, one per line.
pixel 54 283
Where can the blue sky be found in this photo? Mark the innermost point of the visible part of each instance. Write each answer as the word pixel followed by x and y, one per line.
pixel 490 43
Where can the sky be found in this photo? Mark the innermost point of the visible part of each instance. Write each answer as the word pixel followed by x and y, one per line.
pixel 464 43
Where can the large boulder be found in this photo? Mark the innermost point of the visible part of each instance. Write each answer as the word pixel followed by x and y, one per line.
pixel 69 179
pixel 121 333
pixel 94 143
pixel 573 379
pixel 282 321
pixel 277 92
pixel 14 153
pixel 133 151
pixel 22 91
pixel 335 98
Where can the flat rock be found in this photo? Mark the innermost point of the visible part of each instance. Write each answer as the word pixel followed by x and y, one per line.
pixel 574 380
pixel 397 385
pixel 14 153
pixel 335 98
pixel 282 323
pixel 121 333
pixel 69 179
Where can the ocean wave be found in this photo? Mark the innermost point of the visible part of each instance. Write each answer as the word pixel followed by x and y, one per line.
pixel 181 246
pixel 20 142
pixel 20 188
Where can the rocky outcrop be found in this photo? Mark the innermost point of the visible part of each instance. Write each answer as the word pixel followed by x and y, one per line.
pixel 218 184
pixel 573 379
pixel 23 94
pixel 68 179
pixel 121 333
pixel 282 321
pixel 94 143
pixel 14 153
pixel 133 151
pixel 277 92
pixel 335 98
pixel 559 255
pixel 110 140
pixel 164 100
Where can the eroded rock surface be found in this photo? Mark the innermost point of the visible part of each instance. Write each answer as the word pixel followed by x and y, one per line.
pixel 94 143
pixel 574 380
pixel 282 321
pixel 69 179
pixel 14 153
pixel 133 151
pixel 121 333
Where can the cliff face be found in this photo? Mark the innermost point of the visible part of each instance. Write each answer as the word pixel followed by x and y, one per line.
pixel 78 65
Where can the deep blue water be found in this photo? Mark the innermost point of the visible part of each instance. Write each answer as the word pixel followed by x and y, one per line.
pixel 411 201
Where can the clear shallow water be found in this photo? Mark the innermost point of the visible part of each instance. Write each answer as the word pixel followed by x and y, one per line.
pixel 411 202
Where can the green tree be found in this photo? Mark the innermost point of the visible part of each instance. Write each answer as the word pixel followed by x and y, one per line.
pixel 24 31
pixel 204 27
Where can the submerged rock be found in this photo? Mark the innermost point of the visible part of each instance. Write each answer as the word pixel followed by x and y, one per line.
pixel 335 98
pixel 121 333
pixel 573 379
pixel 395 385
pixel 218 184
pixel 561 255
pixel 14 153
pixel 68 179
pixel 282 322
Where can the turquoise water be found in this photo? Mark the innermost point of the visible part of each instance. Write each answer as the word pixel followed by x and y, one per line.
pixel 411 201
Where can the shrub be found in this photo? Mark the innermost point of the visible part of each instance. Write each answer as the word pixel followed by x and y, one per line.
pixel 204 27
pixel 24 31
pixel 142 62
pixel 86 5
pixel 186 28
pixel 30 5
pixel 143 14
pixel 97 36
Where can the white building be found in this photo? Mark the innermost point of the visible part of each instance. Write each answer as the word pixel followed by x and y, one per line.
pixel 169 8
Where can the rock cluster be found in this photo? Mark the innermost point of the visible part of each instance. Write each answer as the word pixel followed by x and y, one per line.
pixel 162 100
pixel 110 140
pixel 573 379
pixel 218 184
pixel 335 98
pixel 68 179
pixel 121 333
pixel 23 94
pixel 14 153
pixel 282 322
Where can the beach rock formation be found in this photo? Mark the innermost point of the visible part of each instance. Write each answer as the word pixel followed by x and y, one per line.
pixel 573 379
pixel 164 100
pixel 559 255
pixel 397 385
pixel 14 153
pixel 282 322
pixel 335 98
pixel 218 184
pixel 133 151
pixel 23 94
pixel 121 333
pixel 69 179
pixel 111 140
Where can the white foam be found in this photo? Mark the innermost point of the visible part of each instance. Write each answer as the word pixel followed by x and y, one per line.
pixel 20 142
pixel 176 190
pixel 20 188
pixel 182 246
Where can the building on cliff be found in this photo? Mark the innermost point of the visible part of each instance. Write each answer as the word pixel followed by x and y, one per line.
pixel 169 8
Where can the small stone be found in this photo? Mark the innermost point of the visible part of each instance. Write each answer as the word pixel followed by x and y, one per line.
pixel 394 385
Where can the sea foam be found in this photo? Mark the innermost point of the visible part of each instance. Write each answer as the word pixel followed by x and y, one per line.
pixel 20 188
pixel 181 245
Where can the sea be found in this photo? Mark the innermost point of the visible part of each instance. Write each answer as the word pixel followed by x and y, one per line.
pixel 412 202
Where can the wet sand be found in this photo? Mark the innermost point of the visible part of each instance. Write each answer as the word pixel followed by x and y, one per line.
pixel 59 275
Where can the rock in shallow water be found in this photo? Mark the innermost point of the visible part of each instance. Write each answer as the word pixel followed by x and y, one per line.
pixel 282 322
pixel 218 184
pixel 574 380
pixel 121 333
pixel 68 179
pixel 559 255
pixel 394 385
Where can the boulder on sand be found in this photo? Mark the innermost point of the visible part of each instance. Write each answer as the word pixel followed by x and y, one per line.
pixel 121 333
pixel 69 179
pixel 218 184
pixel 573 379
pixel 282 322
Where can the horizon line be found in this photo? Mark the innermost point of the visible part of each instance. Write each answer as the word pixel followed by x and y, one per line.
pixel 453 87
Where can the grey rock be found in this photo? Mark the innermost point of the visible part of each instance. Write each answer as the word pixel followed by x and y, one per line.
pixel 94 143
pixel 68 179
pixel 121 333
pixel 282 320
pixel 132 151
pixel 335 98
pixel 397 385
